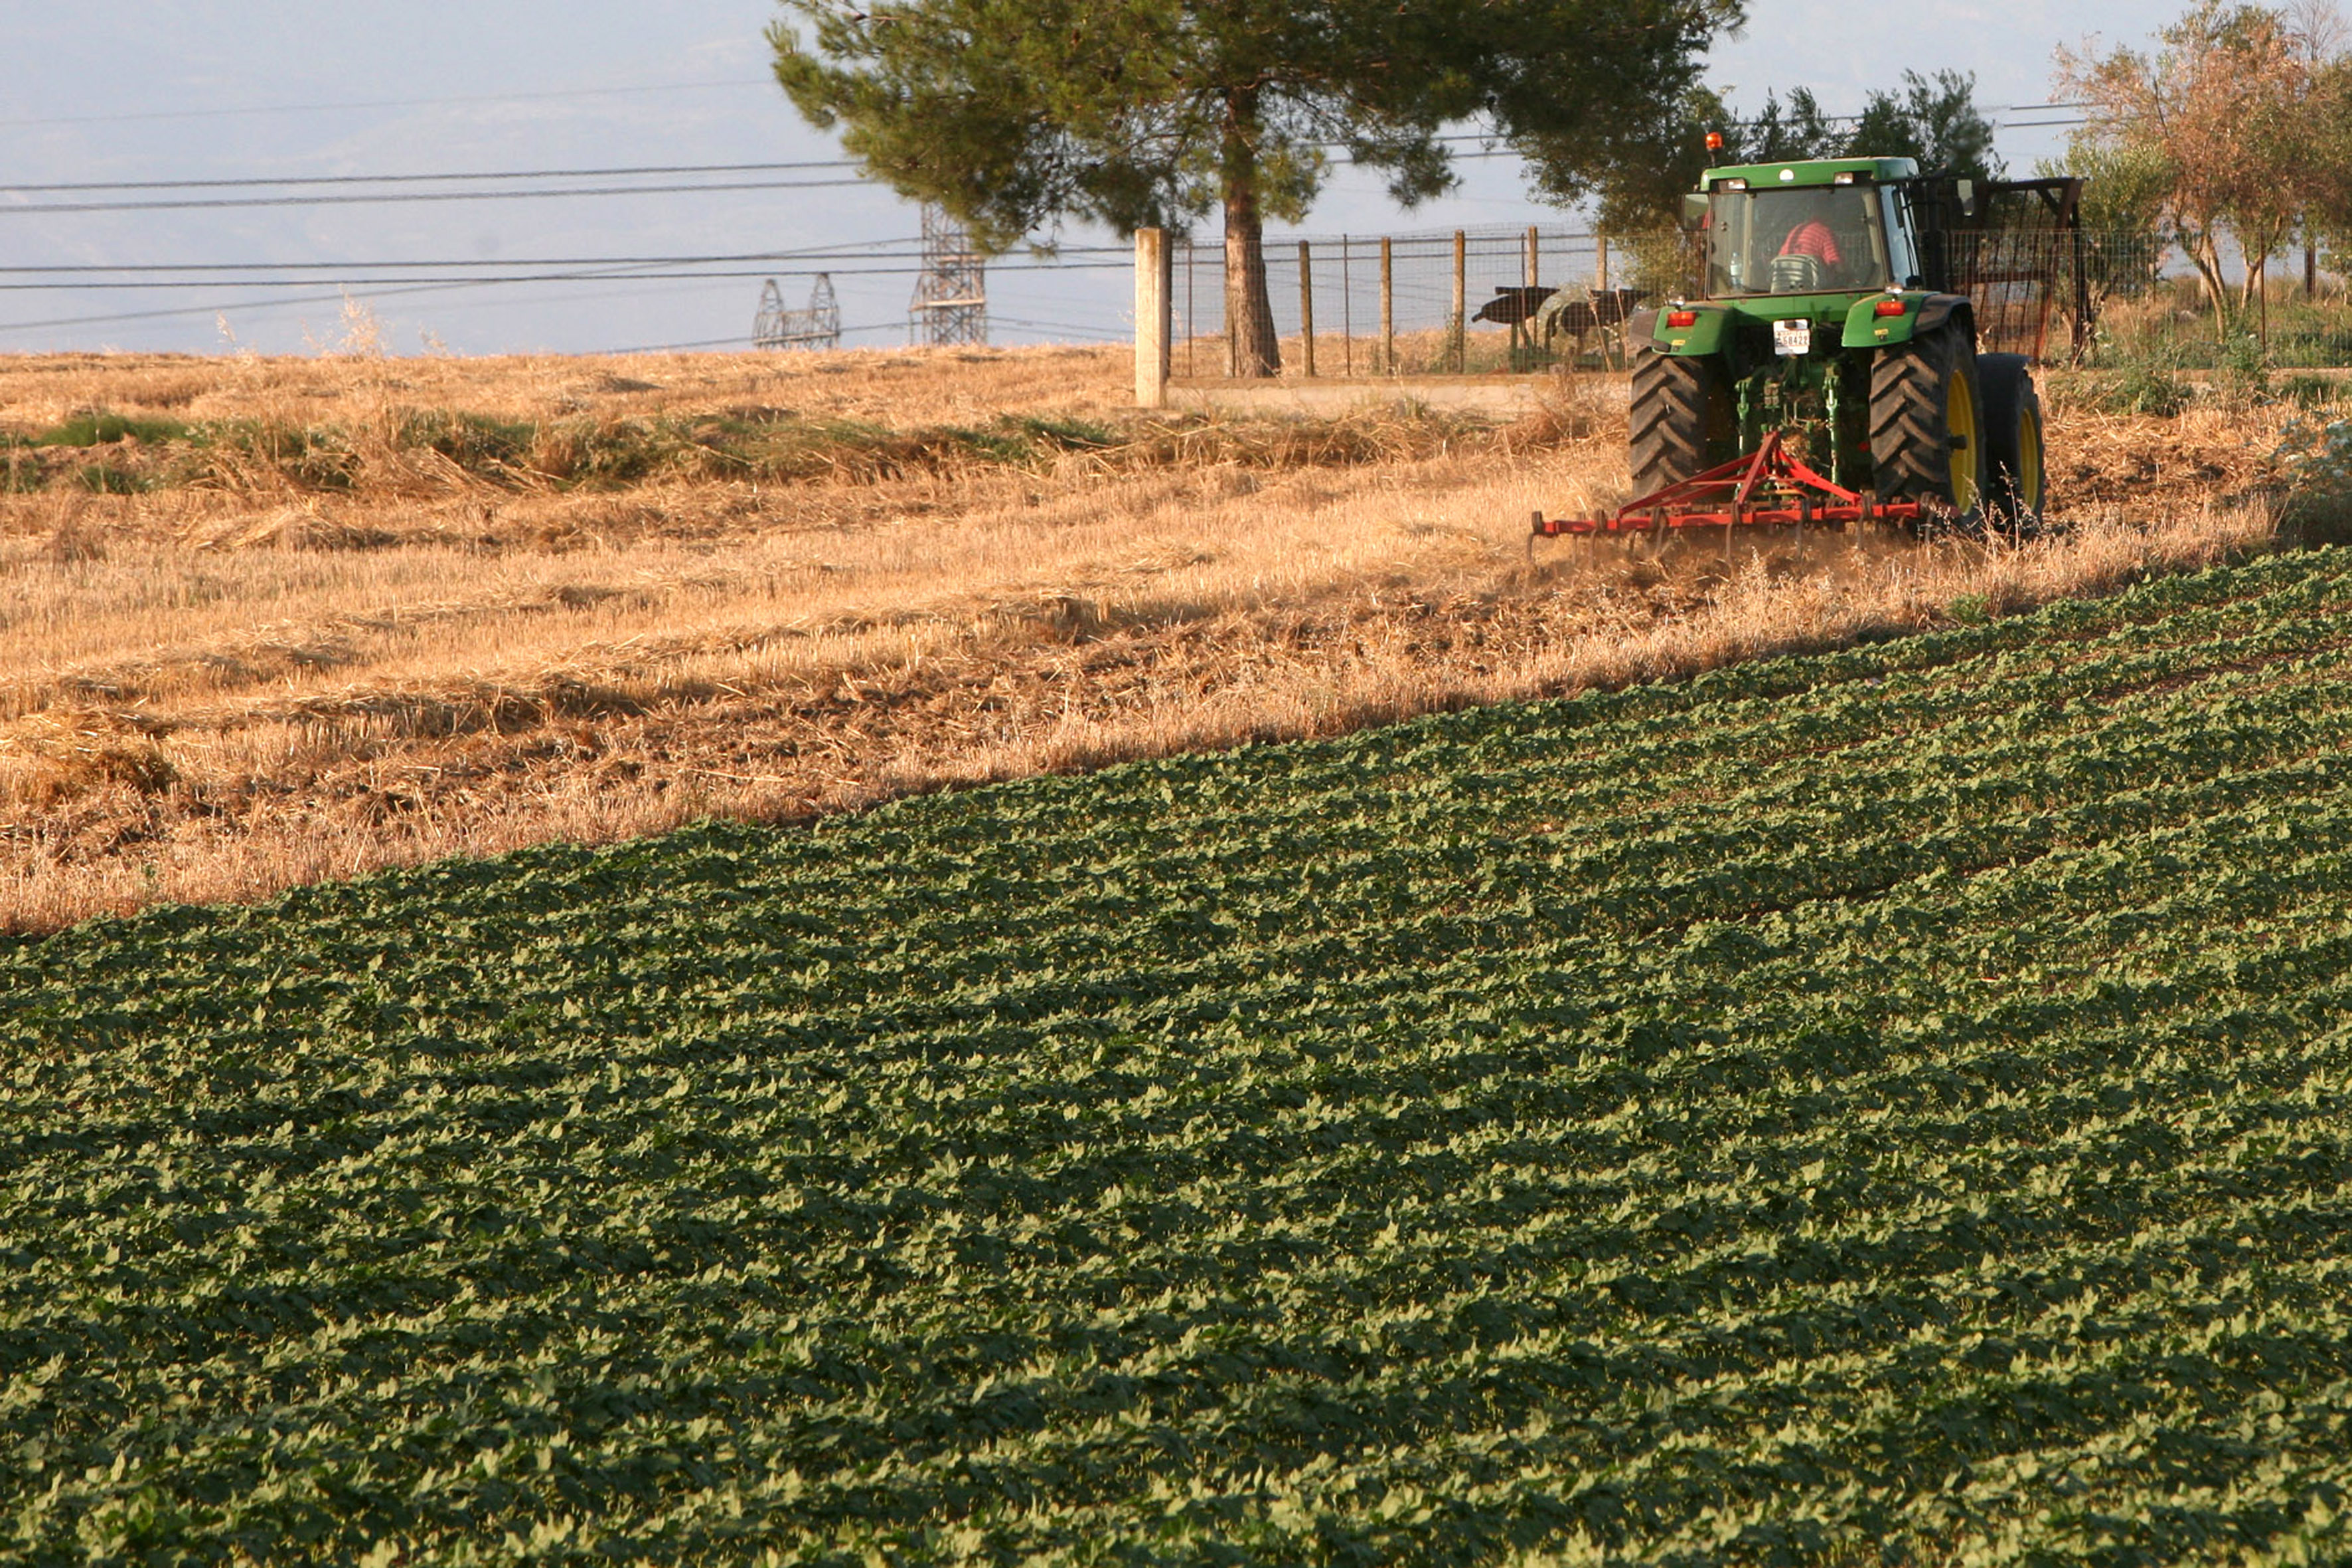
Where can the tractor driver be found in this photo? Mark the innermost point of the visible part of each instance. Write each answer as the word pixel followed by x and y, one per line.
pixel 1814 238
pixel 1809 256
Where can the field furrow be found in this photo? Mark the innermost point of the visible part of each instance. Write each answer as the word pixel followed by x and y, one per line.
pixel 1889 1107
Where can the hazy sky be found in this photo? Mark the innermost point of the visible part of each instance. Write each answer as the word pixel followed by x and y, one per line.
pixel 212 89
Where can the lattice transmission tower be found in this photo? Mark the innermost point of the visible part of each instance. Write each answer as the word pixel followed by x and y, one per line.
pixel 818 326
pixel 950 303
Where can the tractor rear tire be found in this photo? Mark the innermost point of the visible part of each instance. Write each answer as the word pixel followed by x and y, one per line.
pixel 1674 409
pixel 2016 490
pixel 1926 428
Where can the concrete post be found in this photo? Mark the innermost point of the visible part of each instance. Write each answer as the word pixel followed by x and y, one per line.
pixel 1153 324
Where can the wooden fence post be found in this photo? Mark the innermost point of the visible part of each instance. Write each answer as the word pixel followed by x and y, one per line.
pixel 1529 269
pixel 1461 325
pixel 1306 309
pixel 1347 312
pixel 1153 303
pixel 1388 311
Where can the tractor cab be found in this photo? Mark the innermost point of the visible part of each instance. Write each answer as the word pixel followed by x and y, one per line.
pixel 1842 226
pixel 1807 228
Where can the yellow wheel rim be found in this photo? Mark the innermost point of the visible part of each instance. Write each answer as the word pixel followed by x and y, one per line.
pixel 2029 461
pixel 1961 424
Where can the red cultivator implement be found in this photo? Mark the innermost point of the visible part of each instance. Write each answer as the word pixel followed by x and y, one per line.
pixel 1768 487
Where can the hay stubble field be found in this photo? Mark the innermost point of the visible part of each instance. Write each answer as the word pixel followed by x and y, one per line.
pixel 270 621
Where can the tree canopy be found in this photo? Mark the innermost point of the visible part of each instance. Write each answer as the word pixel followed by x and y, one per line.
pixel 1015 115
pixel 2238 123
pixel 1934 120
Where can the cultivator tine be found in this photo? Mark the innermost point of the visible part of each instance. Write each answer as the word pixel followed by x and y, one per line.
pixel 1766 488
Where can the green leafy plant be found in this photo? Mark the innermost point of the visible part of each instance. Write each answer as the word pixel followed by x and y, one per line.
pixel 1890 1105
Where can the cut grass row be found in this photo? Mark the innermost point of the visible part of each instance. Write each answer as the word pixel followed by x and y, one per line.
pixel 1890 1104
pixel 118 453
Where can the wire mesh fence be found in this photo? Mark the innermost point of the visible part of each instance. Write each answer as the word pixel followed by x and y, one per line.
pixel 1478 301
pixel 1454 302
pixel 2150 310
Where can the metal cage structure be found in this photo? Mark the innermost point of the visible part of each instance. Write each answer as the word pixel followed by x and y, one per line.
pixel 2023 263
pixel 817 327
pixel 951 302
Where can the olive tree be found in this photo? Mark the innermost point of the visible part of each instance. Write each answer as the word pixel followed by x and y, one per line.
pixel 2224 106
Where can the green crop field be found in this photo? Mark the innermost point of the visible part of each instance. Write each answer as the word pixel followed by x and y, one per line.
pixel 1888 1105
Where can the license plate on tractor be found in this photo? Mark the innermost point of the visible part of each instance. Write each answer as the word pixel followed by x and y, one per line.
pixel 1792 337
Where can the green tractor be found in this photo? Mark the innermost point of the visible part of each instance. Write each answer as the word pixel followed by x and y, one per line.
pixel 1830 320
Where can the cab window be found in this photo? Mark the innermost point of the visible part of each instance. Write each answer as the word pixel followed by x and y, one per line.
pixel 1795 241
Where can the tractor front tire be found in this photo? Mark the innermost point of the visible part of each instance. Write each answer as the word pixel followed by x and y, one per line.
pixel 1673 412
pixel 2016 493
pixel 1926 427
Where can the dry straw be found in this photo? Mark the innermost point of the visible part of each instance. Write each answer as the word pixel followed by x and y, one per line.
pixel 242 679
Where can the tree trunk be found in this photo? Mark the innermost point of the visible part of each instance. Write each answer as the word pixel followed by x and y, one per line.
pixel 1254 349
pixel 2257 296
pixel 2206 253
pixel 2255 268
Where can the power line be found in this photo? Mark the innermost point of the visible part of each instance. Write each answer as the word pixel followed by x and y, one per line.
pixel 256 181
pixel 30 208
pixel 886 250
pixel 387 103
pixel 359 283
pixel 735 342
pixel 1091 333
pixel 416 179
pixel 502 277
pixel 878 249
pixel 404 288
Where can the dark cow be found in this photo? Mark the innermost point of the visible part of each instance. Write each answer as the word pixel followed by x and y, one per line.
pixel 1580 318
pixel 1509 307
pixel 1544 315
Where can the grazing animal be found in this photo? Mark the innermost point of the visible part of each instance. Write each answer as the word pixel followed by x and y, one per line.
pixel 1566 316
pixel 1511 306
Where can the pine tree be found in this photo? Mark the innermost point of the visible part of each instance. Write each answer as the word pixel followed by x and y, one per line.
pixel 1016 114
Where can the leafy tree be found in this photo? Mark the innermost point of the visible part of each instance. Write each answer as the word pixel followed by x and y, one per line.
pixel 1656 164
pixel 1937 122
pixel 2327 134
pixel 2124 186
pixel 1779 136
pixel 2122 209
pixel 1015 114
pixel 2225 104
